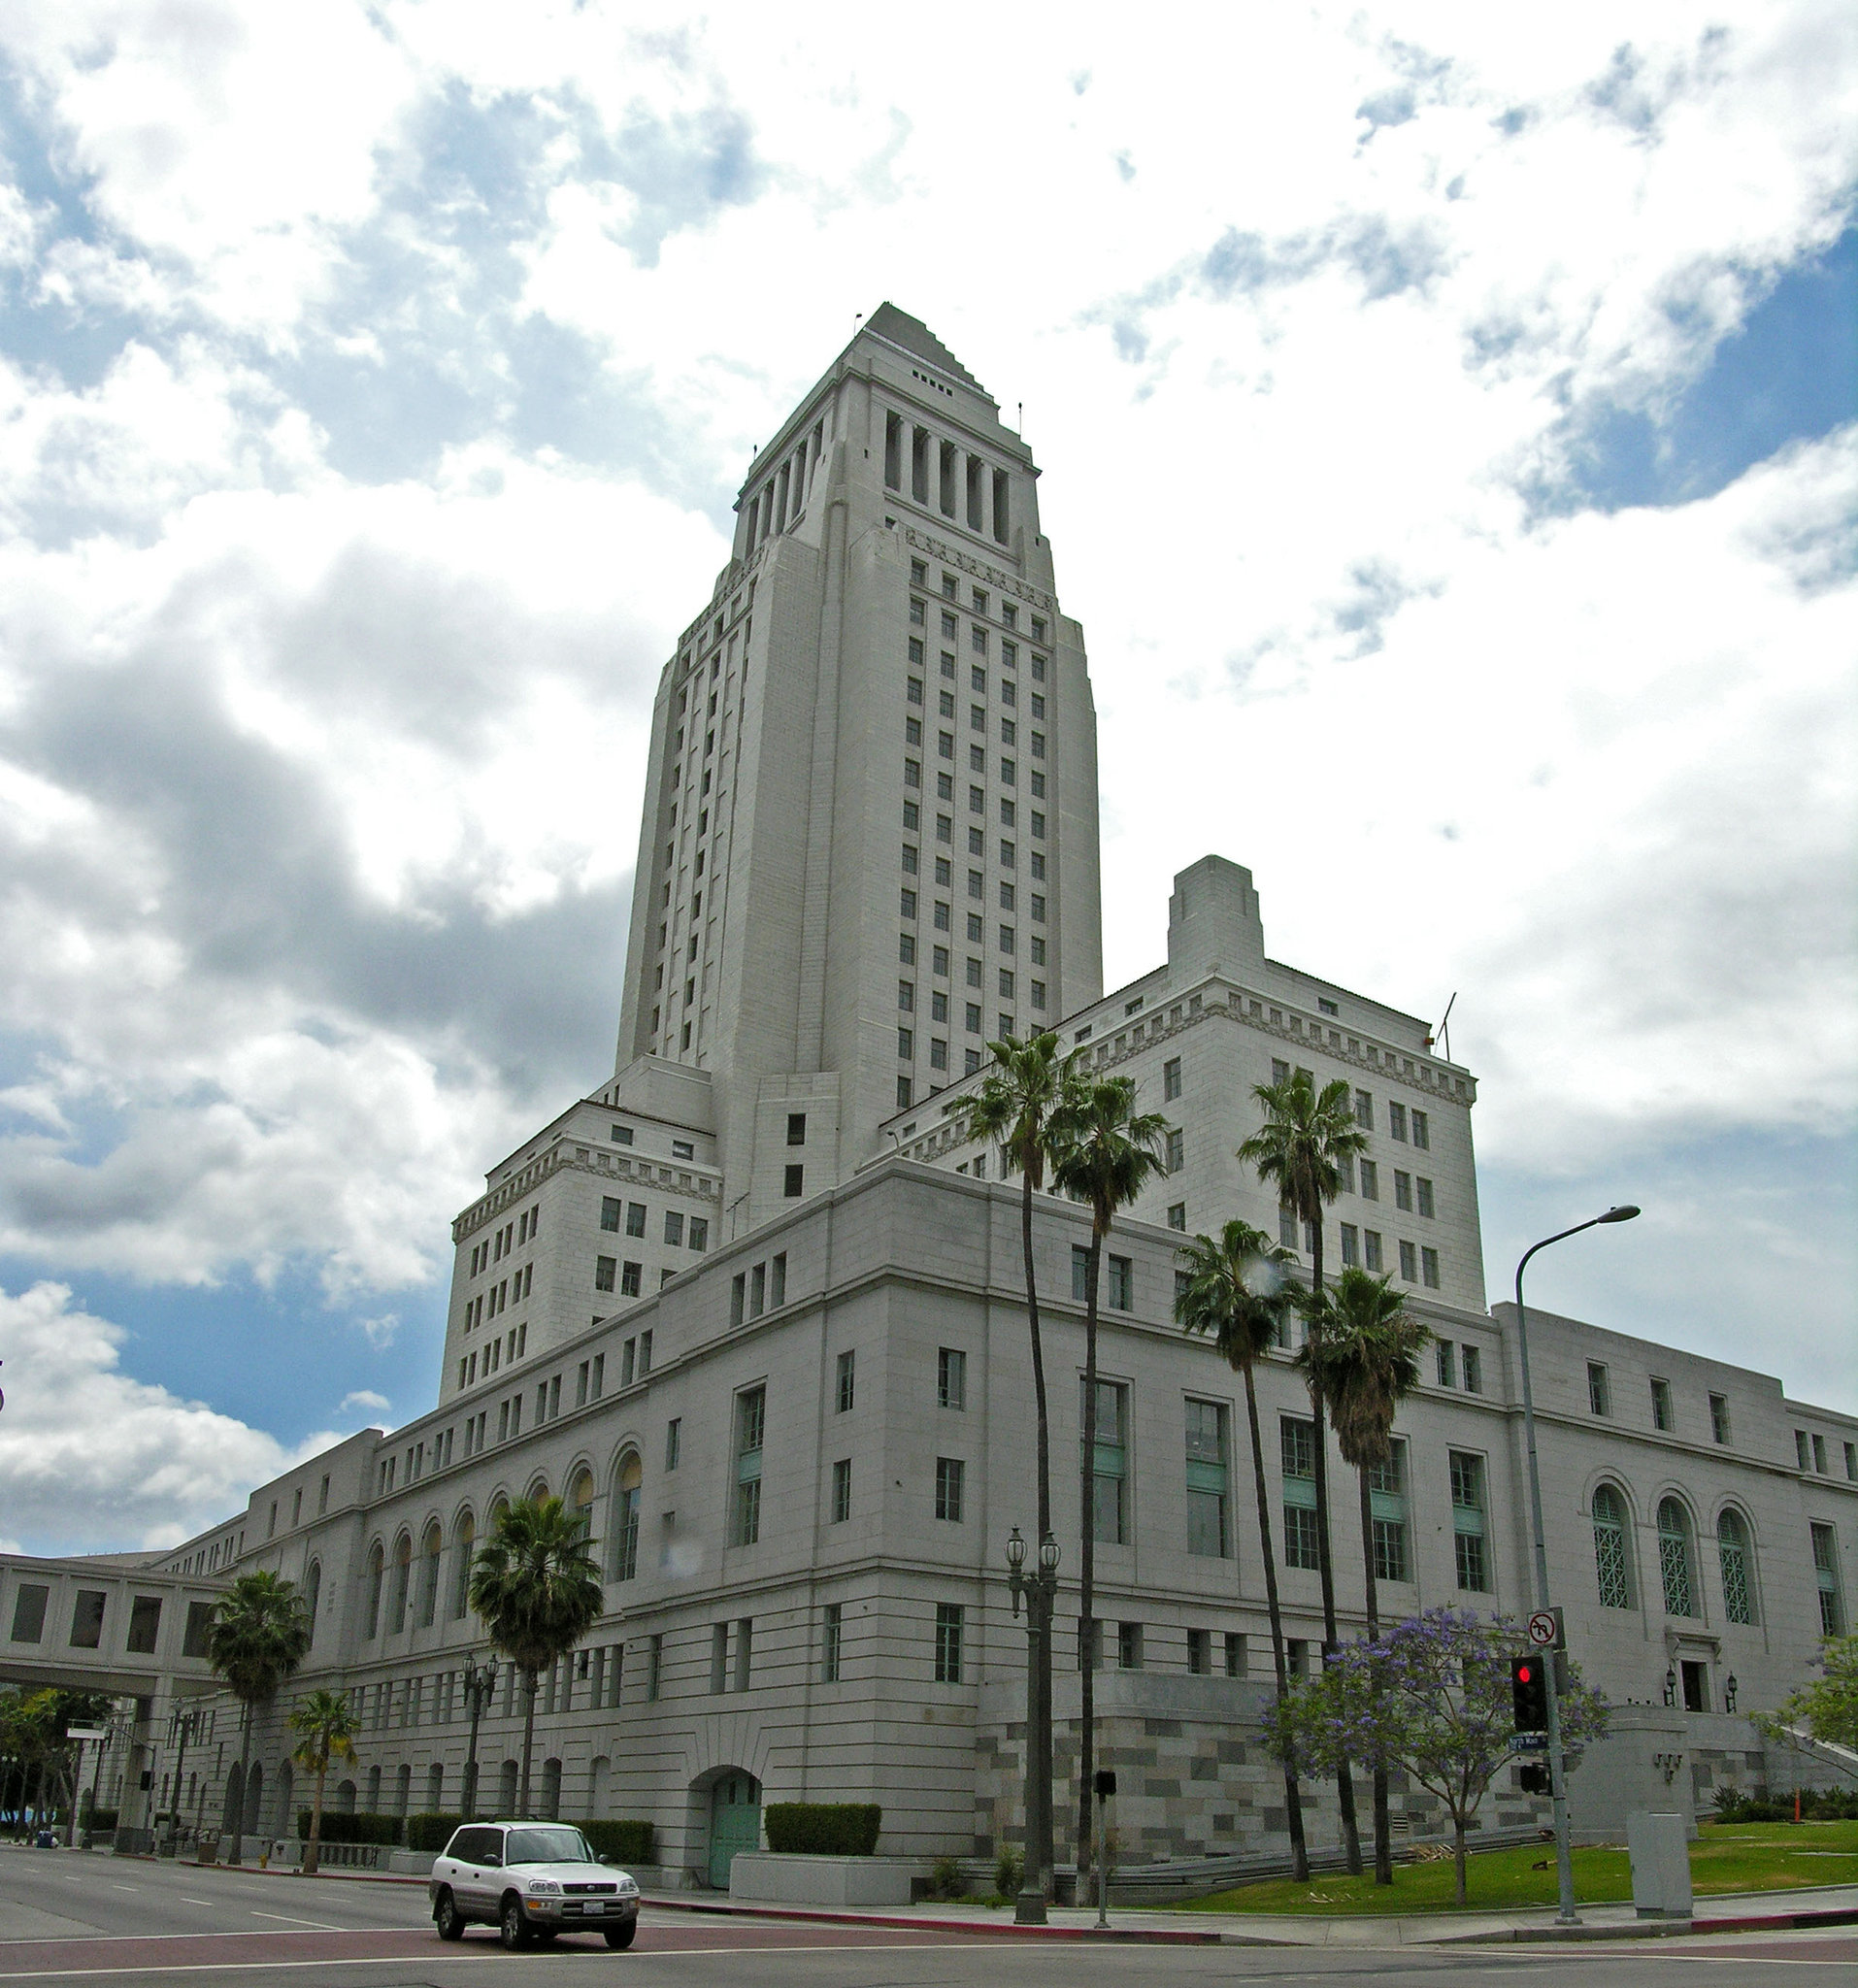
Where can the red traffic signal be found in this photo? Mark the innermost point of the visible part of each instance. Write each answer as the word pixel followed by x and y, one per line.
pixel 1529 1694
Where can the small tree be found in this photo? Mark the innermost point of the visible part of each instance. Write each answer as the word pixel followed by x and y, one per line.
pixel 1432 1696
pixel 535 1587
pixel 326 1723
pixel 1829 1708
pixel 259 1636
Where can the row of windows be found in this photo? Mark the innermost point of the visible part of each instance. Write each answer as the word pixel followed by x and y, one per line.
pixel 1810 1451
pixel 1404 1122
pixel 497 1300
pixel 511 1236
pixel 679 1231
pixel 981 599
pixel 1365 1249
pixel 1388 1512
pixel 480 1365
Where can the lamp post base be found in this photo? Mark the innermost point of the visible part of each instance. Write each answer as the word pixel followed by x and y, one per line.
pixel 1029 1907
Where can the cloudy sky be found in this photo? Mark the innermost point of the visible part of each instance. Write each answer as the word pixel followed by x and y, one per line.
pixel 1450 439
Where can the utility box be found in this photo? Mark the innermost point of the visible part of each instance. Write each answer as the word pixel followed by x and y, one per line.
pixel 1660 1851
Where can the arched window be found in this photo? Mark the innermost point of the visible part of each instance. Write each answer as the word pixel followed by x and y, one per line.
pixel 464 1543
pixel 376 1567
pixel 312 1596
pixel 402 1580
pixel 429 1575
pixel 1674 1559
pixel 581 1500
pixel 550 1790
pixel 537 1491
pixel 1610 1548
pixel 626 1497
pixel 1731 1550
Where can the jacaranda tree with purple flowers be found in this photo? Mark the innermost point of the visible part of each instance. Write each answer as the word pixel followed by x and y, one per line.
pixel 1432 1696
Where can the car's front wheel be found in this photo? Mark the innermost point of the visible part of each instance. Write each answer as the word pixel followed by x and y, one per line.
pixel 447 1916
pixel 513 1925
pixel 621 1935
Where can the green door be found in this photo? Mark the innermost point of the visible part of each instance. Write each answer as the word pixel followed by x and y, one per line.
pixel 735 1824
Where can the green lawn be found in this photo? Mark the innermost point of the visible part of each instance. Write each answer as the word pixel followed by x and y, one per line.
pixel 1749 1856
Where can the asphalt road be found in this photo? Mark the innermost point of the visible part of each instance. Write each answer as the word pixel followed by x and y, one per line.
pixel 106 1920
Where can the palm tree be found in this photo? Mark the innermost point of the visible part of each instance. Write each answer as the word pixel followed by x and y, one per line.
pixel 535 1587
pixel 1364 1361
pixel 326 1720
pixel 1236 1291
pixel 1300 1149
pixel 1104 1153
pixel 259 1636
pixel 1014 1108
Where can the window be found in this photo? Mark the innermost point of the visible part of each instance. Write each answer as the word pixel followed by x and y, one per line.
pixel 654 1667
pixel 831 1641
pixel 1296 1442
pixel 1468 1521
pixel 1365 1111
pixel 1370 1181
pixel 1121 1293
pixel 948 1477
pixel 631 1276
pixel 841 1491
pixel 1238 1661
pixel 778 1279
pixel 951 1377
pixel 1801 1451
pixel 683 1149
pixel 1445 1354
pixel 1719 1417
pixel 673 1441
pixel 1387 1512
pixel 1674 1559
pixel 1370 1252
pixel 1825 1562
pixel 1176 1156
pixel 1611 1561
pixel 844 1382
pixel 1731 1554
pixel 1429 1268
pixel 1350 1244
pixel 673 1228
pixel 1403 1191
pixel 1110 1464
pixel 1661 1416
pixel 1421 1133
pixel 609 1213
pixel 1396 1121
pixel 1599 1393
pixel 1428 1207
pixel 627 1500
pixel 1199 1652
pixel 1207 1483
pixel 634 1218
pixel 1178 1215
pixel 1819 1454
pixel 144 1624
pixel 605 1268
pixel 751 1415
pixel 947 1642
pixel 699 1232
pixel 1474 1371
pixel 793 1179
pixel 1851 1462
pixel 1171 1078
pixel 1408 1263
pixel 1129 1645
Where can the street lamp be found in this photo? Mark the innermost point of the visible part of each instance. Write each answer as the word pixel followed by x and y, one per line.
pixel 480 1683
pixel 1040 1589
pixel 1557 1774
pixel 183 1726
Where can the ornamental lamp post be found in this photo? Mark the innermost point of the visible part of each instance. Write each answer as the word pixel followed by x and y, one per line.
pixel 183 1726
pixel 1565 1915
pixel 480 1683
pixel 1040 1589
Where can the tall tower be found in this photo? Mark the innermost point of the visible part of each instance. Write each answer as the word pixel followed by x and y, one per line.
pixel 869 841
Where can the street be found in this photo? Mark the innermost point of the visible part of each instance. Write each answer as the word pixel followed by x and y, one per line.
pixel 97 1918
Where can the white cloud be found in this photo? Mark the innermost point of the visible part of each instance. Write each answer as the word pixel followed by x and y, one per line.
pixel 366 1398
pixel 93 1460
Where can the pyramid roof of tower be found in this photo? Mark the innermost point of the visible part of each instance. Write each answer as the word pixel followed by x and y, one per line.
pixel 913 336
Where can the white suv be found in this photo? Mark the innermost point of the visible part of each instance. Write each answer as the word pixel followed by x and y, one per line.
pixel 532 1881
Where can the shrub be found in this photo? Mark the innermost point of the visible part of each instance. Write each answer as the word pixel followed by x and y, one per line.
pixel 824 1829
pixel 625 1842
pixel 351 1829
pixel 1816 1805
pixel 99 1819
pixel 431 1831
pixel 946 1880
pixel 1008 1870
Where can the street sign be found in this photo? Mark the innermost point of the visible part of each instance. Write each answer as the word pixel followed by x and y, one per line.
pixel 87 1733
pixel 1542 1628
pixel 1530 1742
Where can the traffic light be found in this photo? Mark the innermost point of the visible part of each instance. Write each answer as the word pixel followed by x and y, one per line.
pixel 1529 1694
pixel 1534 1781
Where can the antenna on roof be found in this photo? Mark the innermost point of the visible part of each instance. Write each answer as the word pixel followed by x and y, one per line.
pixel 1021 422
pixel 1444 1029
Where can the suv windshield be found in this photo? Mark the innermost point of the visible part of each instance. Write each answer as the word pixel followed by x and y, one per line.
pixel 547 1846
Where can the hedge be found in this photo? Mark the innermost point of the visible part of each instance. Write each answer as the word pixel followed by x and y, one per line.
pixel 1816 1805
pixel 351 1829
pixel 824 1829
pixel 431 1831
pixel 625 1842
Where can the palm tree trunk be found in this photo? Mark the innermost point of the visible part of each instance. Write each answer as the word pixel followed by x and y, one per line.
pixel 1038 1827
pixel 1344 1781
pixel 1293 1798
pixel 244 1776
pixel 1384 1844
pixel 531 1683
pixel 311 1858
pixel 1087 1567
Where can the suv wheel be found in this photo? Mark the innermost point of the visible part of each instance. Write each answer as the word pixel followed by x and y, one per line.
pixel 621 1935
pixel 447 1916
pixel 513 1925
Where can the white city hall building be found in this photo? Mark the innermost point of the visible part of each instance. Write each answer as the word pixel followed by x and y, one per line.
pixel 756 1304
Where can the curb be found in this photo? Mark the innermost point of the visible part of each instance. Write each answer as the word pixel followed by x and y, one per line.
pixel 1134 1935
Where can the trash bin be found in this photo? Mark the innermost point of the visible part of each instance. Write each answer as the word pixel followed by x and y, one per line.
pixel 207 1851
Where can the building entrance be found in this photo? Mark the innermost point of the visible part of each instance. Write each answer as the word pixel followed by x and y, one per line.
pixel 735 1823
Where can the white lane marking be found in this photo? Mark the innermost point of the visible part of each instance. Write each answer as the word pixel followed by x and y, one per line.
pixel 186 1901
pixel 284 1919
pixel 125 1887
